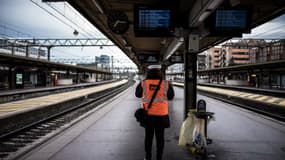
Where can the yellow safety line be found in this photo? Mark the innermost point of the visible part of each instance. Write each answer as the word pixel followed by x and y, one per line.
pixel 228 92
pixel 272 100
pixel 4 109
pixel 262 98
pixel 245 95
pixel 282 103
pixel 253 96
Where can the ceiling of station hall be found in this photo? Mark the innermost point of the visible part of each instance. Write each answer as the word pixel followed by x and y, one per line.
pixel 187 13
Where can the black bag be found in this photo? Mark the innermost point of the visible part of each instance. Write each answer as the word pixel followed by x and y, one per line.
pixel 141 113
pixel 141 116
pixel 166 121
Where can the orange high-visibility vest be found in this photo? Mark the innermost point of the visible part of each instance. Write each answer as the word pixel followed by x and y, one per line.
pixel 159 105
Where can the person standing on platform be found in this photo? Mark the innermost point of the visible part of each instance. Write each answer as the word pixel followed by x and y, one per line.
pixel 157 115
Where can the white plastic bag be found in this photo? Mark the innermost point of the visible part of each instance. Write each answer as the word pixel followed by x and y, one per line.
pixel 199 138
pixel 186 131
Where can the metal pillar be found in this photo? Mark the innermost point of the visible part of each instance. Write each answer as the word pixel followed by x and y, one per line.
pixel 27 51
pixel 11 78
pixel 77 77
pixel 48 56
pixel 270 79
pixel 46 78
pixel 261 79
pixel 190 82
pixel 280 81
pixel 13 49
pixel 39 53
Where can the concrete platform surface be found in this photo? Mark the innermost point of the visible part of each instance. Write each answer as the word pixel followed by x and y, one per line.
pixel 112 133
pixel 239 134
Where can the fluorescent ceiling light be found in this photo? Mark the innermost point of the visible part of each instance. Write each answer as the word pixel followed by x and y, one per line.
pixel 204 15
pixel 214 4
pixel 98 6
pixel 174 45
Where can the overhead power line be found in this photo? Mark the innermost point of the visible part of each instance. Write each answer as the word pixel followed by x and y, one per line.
pixel 4 28
pixel 56 10
pixel 62 13
pixel 51 14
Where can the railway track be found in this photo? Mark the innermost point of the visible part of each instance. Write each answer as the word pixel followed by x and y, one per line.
pixel 18 142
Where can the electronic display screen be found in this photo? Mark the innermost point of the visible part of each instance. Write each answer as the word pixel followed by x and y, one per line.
pixel 230 22
pixel 152 22
pixel 153 19
pixel 148 58
pixel 231 19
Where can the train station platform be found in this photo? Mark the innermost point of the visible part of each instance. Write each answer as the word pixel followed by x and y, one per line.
pixel 273 106
pixel 112 133
pixel 10 108
pixel 273 100
pixel 17 114
pixel 24 93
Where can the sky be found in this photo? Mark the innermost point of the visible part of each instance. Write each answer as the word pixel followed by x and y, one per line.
pixel 274 29
pixel 32 18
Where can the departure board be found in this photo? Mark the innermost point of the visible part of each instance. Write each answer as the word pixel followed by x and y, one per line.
pixel 231 22
pixel 231 19
pixel 154 19
pixel 153 22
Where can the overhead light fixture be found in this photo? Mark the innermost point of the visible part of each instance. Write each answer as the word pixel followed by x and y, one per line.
pixel 204 15
pixel 211 7
pixel 197 16
pixel 129 48
pixel 235 2
pixel 98 6
pixel 124 41
pixel 214 4
pixel 163 42
pixel 75 32
pixel 174 45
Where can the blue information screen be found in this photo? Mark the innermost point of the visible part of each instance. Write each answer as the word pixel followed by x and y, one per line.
pixel 231 19
pixel 153 19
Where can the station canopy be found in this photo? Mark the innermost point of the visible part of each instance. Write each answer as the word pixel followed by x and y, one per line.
pixel 151 31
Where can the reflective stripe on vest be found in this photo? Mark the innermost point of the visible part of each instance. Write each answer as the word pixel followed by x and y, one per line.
pixel 145 99
pixel 160 102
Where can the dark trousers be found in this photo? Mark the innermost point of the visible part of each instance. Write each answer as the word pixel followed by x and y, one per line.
pixel 159 136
